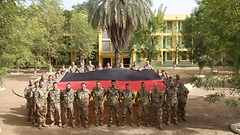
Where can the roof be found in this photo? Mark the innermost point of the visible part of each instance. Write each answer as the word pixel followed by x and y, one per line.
pixel 175 16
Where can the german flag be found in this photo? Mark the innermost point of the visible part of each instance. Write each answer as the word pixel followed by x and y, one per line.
pixel 121 75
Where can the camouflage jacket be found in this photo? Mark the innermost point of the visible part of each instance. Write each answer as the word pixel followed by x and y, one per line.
pixel 98 95
pixel 80 69
pixel 148 67
pixel 40 96
pixel 143 97
pixel 171 94
pixel 90 68
pixel 127 96
pixel 157 97
pixel 182 94
pixel 134 67
pixel 29 93
pixel 82 97
pixel 68 98
pixel 72 69
pixel 54 97
pixel 99 68
pixel 113 95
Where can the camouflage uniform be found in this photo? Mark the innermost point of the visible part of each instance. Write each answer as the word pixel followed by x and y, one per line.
pixel 182 100
pixel 80 69
pixel 40 96
pixel 90 67
pixel 113 97
pixel 135 67
pixel 68 97
pixel 98 98
pixel 99 68
pixel 127 96
pixel 72 69
pixel 143 99
pixel 55 104
pixel 171 94
pixel 157 102
pixel 148 67
pixel 29 95
pixel 82 97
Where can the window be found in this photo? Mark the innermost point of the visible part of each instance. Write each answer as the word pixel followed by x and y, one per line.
pixel 106 46
pixel 179 26
pixel 169 55
pixel 164 42
pixel 169 40
pixel 105 35
pixel 169 25
pixel 184 55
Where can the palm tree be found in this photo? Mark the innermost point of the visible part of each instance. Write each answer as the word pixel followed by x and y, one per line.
pixel 119 18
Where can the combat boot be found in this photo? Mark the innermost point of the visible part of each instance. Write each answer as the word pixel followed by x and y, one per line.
pixel 44 124
pixel 86 125
pixel 101 123
pixel 73 125
pixel 168 123
pixel 183 118
pixel 39 126
pixel 64 125
pixel 59 124
pixel 123 123
pixel 110 124
pixel 139 124
pixel 175 122
pixel 147 125
pixel 96 124
pixel 131 124
pixel 52 124
pixel 160 127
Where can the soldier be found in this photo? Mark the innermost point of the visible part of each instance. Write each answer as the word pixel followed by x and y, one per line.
pixel 182 98
pixel 134 66
pixel 82 97
pixel 81 69
pixel 40 96
pixel 113 97
pixel 29 95
pixel 36 85
pixel 90 66
pixel 143 99
pixel 121 65
pixel 171 94
pixel 157 102
pixel 72 68
pixel 54 97
pixel 177 79
pixel 148 66
pixel 98 93
pixel 99 67
pixel 108 66
pixel 44 79
pixel 50 82
pixel 127 96
pixel 68 100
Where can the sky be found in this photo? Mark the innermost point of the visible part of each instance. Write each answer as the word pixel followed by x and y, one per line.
pixel 173 6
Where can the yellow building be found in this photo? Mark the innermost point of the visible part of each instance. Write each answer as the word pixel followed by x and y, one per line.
pixel 170 41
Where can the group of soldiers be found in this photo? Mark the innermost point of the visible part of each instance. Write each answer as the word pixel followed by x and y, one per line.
pixel 44 95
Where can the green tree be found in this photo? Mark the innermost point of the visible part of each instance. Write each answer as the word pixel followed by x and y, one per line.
pixel 119 18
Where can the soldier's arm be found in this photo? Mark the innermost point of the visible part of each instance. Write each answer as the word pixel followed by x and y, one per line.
pixel 137 96
pixel 25 92
pixel 149 96
pixel 133 95
pixel 161 99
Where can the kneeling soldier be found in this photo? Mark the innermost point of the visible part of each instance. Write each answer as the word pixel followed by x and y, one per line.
pixel 82 97
pixel 157 102
pixel 54 97
pixel 127 96
pixel 113 97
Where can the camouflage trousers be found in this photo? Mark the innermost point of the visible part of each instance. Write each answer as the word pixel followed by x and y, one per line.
pixel 181 108
pixel 95 108
pixel 83 110
pixel 157 112
pixel 128 107
pixel 113 109
pixel 142 109
pixel 69 111
pixel 41 114
pixel 172 109
pixel 30 111
pixel 55 109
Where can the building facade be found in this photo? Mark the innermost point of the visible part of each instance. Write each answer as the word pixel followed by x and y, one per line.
pixel 170 45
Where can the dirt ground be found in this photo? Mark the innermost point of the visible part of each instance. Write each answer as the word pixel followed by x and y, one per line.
pixel 202 118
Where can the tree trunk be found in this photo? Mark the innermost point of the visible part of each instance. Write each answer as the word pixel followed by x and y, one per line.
pixel 17 68
pixel 175 63
pixel 117 58
pixel 201 66
pixel 35 69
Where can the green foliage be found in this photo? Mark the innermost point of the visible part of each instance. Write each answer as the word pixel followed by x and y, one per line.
pixel 212 98
pixel 144 39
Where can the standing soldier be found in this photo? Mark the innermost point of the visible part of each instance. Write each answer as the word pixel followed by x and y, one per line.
pixel 182 98
pixel 157 102
pixel 99 67
pixel 68 99
pixel 98 93
pixel 90 66
pixel 177 79
pixel 81 69
pixel 72 68
pixel 121 65
pixel 143 99
pixel 54 97
pixel 108 66
pixel 113 97
pixel 127 96
pixel 29 95
pixel 82 97
pixel 148 66
pixel 40 96
pixel 171 94
pixel 134 66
